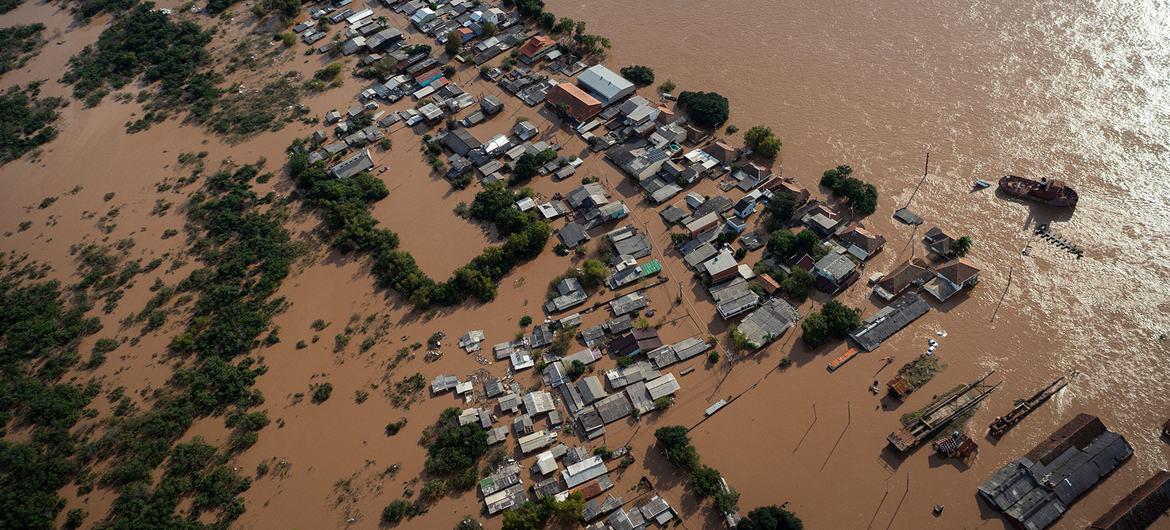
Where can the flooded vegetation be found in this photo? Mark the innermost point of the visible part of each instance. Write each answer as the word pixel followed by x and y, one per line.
pixel 533 264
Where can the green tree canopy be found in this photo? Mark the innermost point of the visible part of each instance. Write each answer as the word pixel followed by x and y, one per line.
pixel 708 109
pixel 770 518
pixel 639 75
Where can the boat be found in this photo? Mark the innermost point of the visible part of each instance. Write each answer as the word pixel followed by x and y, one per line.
pixel 1045 191
pixel 980 184
pixel 938 415
pixel 1002 424
pixel 844 358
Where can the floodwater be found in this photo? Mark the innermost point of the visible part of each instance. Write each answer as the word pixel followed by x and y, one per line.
pixel 1073 90
pixel 1077 90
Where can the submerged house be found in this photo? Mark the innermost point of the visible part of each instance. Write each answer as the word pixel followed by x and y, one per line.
pixel 889 320
pixel 952 277
pixel 835 272
pixel 573 102
pixel 906 275
pixel 768 322
pixel 605 84
pixel 1037 489
pixel 353 165
pixel 635 342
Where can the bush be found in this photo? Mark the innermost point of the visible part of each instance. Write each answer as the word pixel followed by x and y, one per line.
pixel 525 321
pixel 708 109
pixel 147 43
pixel 392 428
pixel 322 392
pixel 668 86
pixel 18 44
pixel 27 121
pixel 639 75
pixel 105 345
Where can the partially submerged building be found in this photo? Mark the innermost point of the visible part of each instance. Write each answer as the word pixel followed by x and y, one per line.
pixel 1140 509
pixel 1037 489
pixel 768 322
pixel 889 320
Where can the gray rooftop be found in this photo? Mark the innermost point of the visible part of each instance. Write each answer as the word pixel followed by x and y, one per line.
pixel 889 320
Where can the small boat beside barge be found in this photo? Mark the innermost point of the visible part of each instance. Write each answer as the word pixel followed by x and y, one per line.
pixel 1045 191
pixel 1002 424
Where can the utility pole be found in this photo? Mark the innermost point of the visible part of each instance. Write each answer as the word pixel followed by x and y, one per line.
pixel 925 170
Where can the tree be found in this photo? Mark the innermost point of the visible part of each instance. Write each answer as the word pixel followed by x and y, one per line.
pixel 782 243
pixel 568 511
pixel 705 482
pixel 769 147
pixel 815 328
pixel 832 178
pixel 547 20
pixel 757 134
pixel 797 284
pixel 564 25
pixel 395 511
pixel 727 501
pixel 454 41
pixel 840 319
pixel 779 210
pixel 807 242
pixel 528 166
pixel 770 518
pixel 528 516
pixel 961 247
pixel 677 445
pixel 639 75
pixel 576 370
pixel 668 86
pixel 592 273
pixel 708 109
pixel 862 196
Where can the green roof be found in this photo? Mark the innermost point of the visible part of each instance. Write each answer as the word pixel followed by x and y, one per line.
pixel 651 268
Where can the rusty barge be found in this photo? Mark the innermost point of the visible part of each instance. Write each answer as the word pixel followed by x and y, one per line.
pixel 938 415
pixel 1045 191
pixel 1002 424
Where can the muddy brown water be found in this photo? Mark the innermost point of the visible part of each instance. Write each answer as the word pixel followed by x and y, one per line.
pixel 1076 90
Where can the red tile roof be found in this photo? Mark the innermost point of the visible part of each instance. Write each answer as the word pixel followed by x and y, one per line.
pixel 580 106
pixel 535 45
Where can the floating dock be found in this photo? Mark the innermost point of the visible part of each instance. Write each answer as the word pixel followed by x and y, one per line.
pixel 938 415
pixel 1059 241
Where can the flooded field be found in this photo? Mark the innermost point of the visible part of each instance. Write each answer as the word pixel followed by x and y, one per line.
pixel 1074 90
